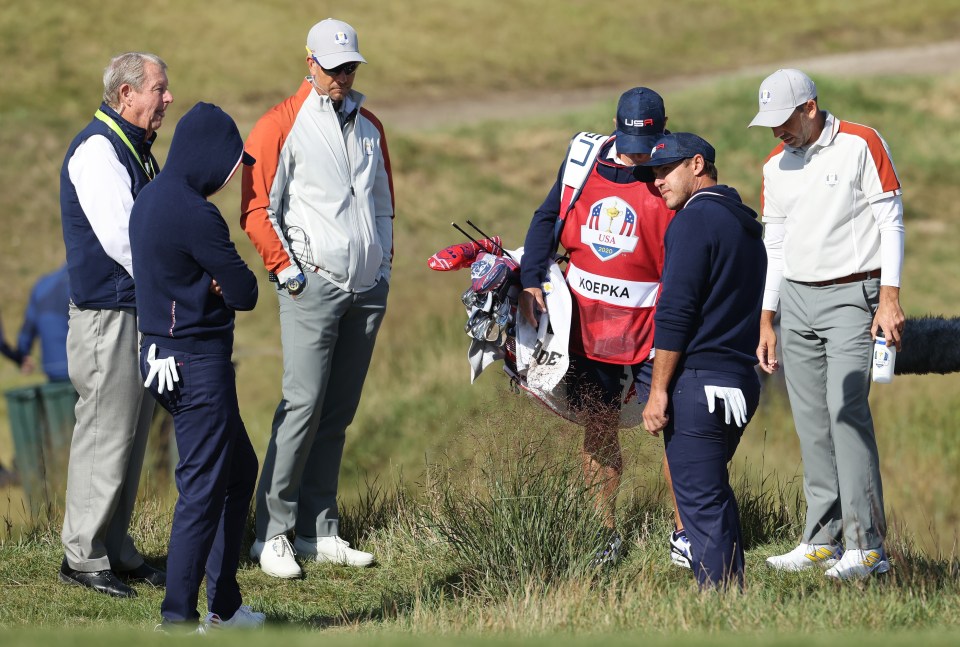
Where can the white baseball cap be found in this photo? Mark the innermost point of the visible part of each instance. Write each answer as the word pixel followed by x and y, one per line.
pixel 780 94
pixel 333 43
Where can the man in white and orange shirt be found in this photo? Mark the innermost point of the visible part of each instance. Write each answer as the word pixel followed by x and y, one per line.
pixel 833 218
pixel 318 206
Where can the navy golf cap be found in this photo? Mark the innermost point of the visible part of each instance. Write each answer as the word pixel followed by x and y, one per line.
pixel 680 146
pixel 641 118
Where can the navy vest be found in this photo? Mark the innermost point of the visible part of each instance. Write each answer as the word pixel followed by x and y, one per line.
pixel 96 280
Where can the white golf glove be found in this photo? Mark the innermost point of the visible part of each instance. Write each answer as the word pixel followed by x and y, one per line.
pixel 165 370
pixel 733 398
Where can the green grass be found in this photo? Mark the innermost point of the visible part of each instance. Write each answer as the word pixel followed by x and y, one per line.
pixel 431 580
pixel 17 638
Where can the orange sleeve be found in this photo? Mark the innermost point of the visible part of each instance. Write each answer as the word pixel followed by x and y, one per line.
pixel 888 176
pixel 386 164
pixel 265 144
pixel 386 154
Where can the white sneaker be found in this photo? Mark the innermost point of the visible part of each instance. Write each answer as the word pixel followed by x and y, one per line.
pixel 806 556
pixel 276 557
pixel 858 564
pixel 680 549
pixel 243 618
pixel 332 549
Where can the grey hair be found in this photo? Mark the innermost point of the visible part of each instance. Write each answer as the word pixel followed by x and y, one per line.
pixel 126 69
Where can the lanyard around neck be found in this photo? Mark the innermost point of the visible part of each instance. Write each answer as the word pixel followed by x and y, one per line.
pixel 148 166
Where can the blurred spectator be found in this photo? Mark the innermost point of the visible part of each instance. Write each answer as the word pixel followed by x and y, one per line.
pixel 46 317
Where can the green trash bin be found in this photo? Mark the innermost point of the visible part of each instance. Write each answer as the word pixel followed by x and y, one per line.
pixel 41 423
pixel 59 402
pixel 28 428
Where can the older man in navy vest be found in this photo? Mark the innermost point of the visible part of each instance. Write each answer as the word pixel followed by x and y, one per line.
pixel 105 168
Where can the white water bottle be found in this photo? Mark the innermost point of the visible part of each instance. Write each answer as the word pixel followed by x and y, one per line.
pixel 884 358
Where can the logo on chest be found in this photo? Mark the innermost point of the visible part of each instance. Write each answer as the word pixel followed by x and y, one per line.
pixel 610 228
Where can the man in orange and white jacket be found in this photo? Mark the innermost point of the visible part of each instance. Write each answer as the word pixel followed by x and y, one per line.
pixel 319 209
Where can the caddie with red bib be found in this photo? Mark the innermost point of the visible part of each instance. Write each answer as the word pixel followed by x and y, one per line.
pixel 610 219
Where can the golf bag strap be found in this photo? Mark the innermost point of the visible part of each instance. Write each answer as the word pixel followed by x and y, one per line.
pixel 581 155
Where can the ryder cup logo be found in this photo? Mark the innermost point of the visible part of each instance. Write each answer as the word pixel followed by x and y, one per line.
pixel 340 38
pixel 765 97
pixel 610 227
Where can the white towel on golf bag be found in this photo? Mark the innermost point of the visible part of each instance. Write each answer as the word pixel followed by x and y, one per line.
pixel 543 353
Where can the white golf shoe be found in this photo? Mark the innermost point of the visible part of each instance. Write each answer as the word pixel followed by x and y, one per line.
pixel 806 556
pixel 680 549
pixel 857 564
pixel 276 557
pixel 243 618
pixel 331 549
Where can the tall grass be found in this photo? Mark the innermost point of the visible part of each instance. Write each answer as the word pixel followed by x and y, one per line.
pixel 500 548
pixel 524 522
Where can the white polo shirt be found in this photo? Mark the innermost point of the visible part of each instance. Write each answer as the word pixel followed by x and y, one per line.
pixel 831 203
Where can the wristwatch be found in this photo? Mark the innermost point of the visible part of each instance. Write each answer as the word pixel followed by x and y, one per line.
pixel 296 284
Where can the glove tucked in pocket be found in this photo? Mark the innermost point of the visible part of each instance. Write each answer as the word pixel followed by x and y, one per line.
pixel 165 370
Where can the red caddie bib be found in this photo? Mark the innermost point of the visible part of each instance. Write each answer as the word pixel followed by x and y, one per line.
pixel 614 238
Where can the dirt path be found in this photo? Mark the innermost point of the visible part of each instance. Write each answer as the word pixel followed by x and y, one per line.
pixel 937 58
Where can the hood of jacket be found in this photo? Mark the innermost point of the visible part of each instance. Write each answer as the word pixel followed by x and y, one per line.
pixel 728 196
pixel 206 149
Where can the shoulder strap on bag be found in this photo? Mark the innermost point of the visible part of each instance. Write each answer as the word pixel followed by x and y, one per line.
pixel 581 155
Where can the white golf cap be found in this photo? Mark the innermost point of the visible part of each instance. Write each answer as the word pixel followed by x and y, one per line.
pixel 334 42
pixel 780 94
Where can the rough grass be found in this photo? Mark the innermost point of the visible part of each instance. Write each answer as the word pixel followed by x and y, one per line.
pixel 447 573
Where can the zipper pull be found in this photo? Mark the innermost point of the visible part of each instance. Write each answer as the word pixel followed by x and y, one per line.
pixel 352 192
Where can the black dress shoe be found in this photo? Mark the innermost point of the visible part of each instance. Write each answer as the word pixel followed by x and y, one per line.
pixel 145 573
pixel 100 581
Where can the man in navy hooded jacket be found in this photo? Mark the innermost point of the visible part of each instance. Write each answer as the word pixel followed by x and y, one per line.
pixel 706 335
pixel 191 281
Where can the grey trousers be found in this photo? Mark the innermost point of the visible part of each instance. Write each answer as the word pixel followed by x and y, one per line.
pixel 328 337
pixel 106 455
pixel 826 345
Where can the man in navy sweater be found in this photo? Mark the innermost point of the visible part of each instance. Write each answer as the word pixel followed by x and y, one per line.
pixel 191 281
pixel 706 335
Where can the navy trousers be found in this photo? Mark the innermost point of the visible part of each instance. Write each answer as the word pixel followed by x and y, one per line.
pixel 699 446
pixel 215 476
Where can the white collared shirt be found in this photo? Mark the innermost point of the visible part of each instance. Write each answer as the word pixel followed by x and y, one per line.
pixel 105 193
pixel 832 209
